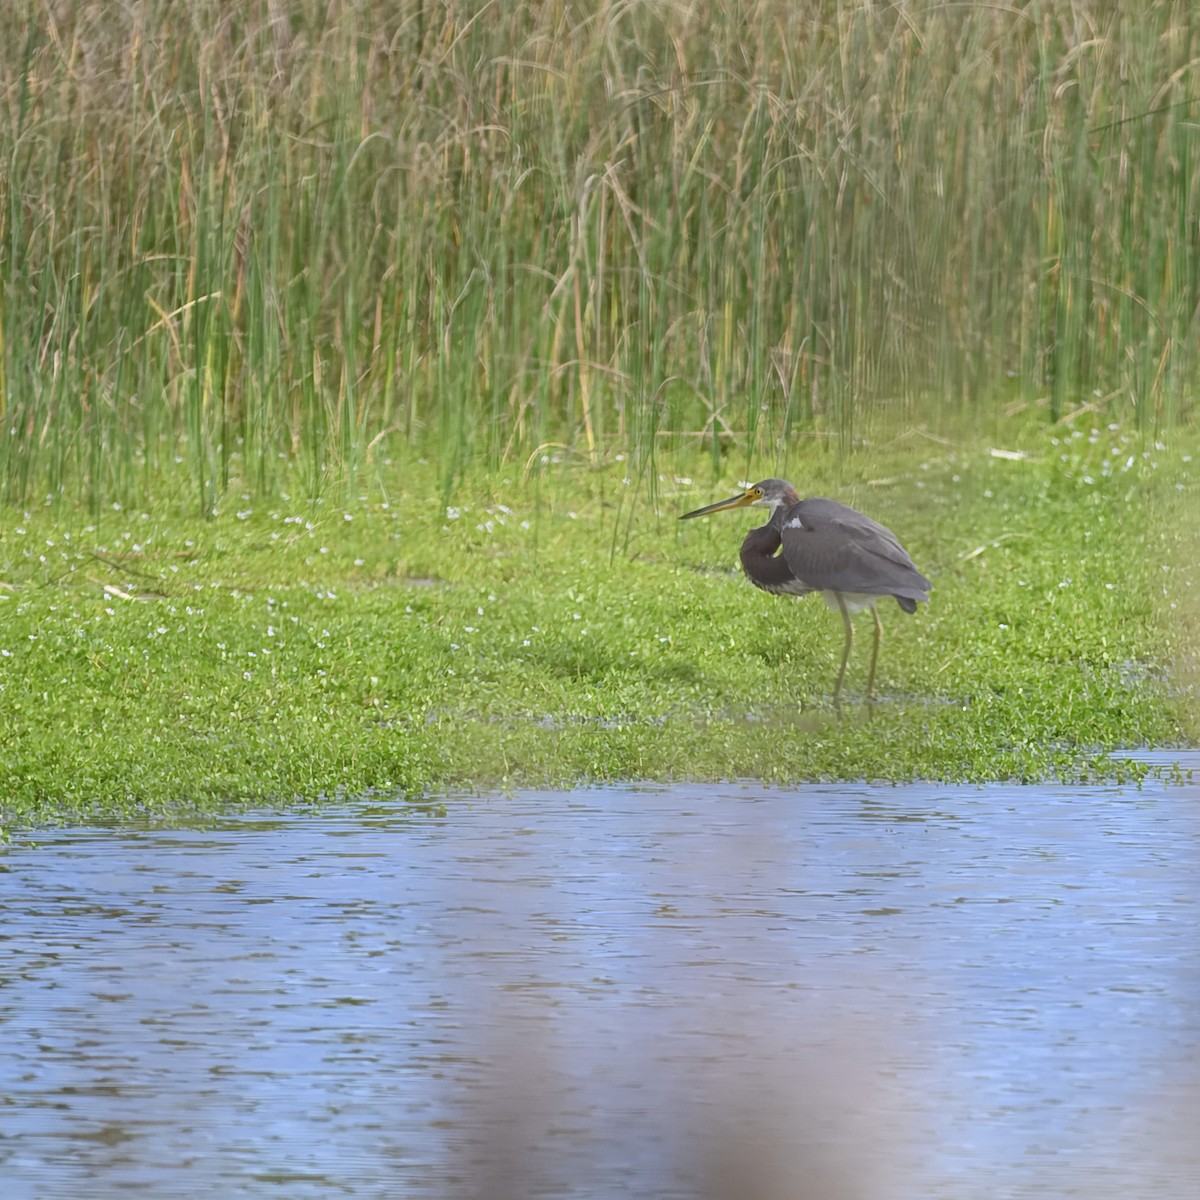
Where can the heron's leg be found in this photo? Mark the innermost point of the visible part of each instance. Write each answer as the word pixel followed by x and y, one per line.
pixel 837 691
pixel 874 654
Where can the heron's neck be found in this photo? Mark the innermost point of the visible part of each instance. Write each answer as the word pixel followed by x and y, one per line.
pixel 790 497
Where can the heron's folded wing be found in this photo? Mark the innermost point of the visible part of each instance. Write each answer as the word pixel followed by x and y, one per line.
pixel 830 547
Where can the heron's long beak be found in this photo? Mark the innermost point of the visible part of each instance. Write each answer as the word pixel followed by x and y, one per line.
pixel 721 505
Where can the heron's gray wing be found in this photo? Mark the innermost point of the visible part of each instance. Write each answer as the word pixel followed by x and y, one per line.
pixel 831 547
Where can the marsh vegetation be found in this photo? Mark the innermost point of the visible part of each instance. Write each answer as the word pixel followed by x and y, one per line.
pixel 286 286
pixel 556 630
pixel 306 232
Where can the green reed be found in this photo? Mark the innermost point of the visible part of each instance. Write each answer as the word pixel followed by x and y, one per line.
pixel 279 237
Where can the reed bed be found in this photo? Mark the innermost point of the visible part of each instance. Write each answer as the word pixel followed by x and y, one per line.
pixel 287 235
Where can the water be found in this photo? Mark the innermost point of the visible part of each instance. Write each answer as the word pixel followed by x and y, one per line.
pixel 692 991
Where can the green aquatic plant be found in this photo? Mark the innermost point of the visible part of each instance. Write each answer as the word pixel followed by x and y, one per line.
pixel 308 648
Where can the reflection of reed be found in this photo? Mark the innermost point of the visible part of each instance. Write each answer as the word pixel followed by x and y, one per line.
pixel 816 1124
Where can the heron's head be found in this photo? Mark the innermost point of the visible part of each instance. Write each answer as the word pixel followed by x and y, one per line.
pixel 769 493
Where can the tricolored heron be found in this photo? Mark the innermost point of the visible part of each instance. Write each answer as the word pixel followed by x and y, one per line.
pixel 824 546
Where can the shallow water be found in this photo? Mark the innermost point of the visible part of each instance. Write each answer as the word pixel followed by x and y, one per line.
pixel 914 991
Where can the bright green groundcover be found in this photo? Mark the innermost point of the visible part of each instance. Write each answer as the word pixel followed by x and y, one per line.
pixel 558 625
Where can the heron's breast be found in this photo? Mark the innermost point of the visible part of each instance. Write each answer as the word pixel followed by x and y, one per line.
pixel 855 602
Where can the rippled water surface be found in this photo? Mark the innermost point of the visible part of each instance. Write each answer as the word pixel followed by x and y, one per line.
pixel 679 992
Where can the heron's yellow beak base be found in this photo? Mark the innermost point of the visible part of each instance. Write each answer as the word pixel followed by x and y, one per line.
pixel 747 497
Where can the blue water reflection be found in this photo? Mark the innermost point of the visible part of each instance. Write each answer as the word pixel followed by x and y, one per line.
pixel 934 991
